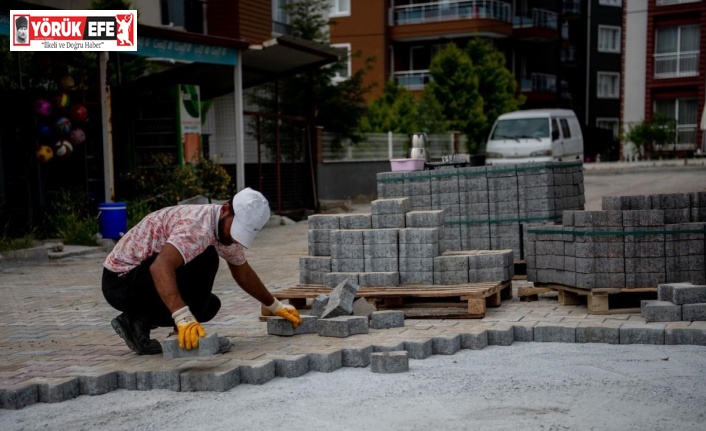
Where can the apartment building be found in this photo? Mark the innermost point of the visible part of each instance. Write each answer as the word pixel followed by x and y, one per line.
pixel 663 70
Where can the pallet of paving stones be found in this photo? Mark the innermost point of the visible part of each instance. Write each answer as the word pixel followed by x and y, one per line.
pixel 462 301
pixel 603 300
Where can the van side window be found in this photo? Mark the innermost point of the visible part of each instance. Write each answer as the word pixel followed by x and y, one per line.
pixel 565 128
pixel 555 129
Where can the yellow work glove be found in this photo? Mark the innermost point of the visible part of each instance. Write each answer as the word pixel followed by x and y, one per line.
pixel 287 311
pixel 189 329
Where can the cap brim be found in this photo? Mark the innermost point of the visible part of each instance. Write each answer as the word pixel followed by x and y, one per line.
pixel 240 234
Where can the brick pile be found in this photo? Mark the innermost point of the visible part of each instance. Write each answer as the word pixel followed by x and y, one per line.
pixel 484 207
pixel 676 302
pixel 399 246
pixel 635 241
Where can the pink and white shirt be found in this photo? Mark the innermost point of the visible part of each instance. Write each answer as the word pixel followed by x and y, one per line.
pixel 191 229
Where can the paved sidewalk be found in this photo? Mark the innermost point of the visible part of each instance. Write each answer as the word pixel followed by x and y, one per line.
pixel 55 324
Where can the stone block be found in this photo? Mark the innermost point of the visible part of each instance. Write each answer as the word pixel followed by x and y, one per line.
pixel 323 221
pixel 638 333
pixel 687 293
pixel 501 335
pixel 389 362
pixel 218 379
pixel 341 300
pixel 387 319
pixel 694 312
pixel 524 332
pixel 431 218
pixel 590 332
pixel 208 346
pixel 387 221
pixel 292 366
pixel 379 279
pixel 660 311
pixel 355 221
pixel 550 332
pixel 416 277
pixel 685 333
pixel 419 236
pixel 56 390
pixel 446 344
pixel 15 398
pixel 476 339
pixel 391 346
pixel 390 206
pixel 419 349
pixel 333 327
pixel 283 327
pixel 333 279
pixel 127 380
pixel 361 307
pixel 318 305
pixel 158 379
pixel 416 264
pixel 380 265
pixel 450 277
pixel 325 362
pixel 356 356
pixel 257 372
pixel 98 383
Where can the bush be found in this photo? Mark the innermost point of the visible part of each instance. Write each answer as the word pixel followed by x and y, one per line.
pixel 70 219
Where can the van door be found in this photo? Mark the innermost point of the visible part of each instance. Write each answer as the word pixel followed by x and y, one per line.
pixel 572 143
pixel 557 141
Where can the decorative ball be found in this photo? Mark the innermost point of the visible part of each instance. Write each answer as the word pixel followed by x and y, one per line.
pixel 63 125
pixel 44 153
pixel 63 148
pixel 42 107
pixel 62 100
pixel 44 131
pixel 77 136
pixel 78 113
pixel 66 82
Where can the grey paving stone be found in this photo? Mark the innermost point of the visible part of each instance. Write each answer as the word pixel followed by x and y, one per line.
pixel 590 332
pixel 325 362
pixel 419 349
pixel 323 221
pixel 389 362
pixel 431 218
pixel 341 299
pixel 127 380
pixel 446 344
pixel 660 311
pixel 361 307
pixel 687 293
pixel 683 333
pixel 638 333
pixel 333 327
pixel 98 383
pixel 208 346
pixel 58 390
pixel 217 379
pixel 257 372
pixel 387 319
pixel 318 305
pixel 392 346
pixel 357 324
pixel 390 206
pixel 387 221
pixel 694 312
pixel 524 331
pixel 158 379
pixel 355 221
pixel 333 279
pixel 476 339
pixel 549 332
pixel 356 356
pixel 18 397
pixel 292 366
pixel 501 335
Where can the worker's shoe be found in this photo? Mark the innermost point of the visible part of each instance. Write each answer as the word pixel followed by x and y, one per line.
pixel 136 335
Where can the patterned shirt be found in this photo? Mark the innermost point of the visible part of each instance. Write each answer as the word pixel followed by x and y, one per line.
pixel 189 228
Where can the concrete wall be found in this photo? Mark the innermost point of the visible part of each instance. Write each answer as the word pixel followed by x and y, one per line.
pixel 349 180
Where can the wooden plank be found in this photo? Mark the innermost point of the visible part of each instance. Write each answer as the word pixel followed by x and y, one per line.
pixel 598 303
pixel 567 297
pixel 529 291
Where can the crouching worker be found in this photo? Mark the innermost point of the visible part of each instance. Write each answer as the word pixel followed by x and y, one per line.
pixel 161 272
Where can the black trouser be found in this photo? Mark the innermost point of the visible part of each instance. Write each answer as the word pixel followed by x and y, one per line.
pixel 134 293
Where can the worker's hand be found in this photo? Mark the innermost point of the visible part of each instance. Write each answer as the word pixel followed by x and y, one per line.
pixel 189 329
pixel 286 311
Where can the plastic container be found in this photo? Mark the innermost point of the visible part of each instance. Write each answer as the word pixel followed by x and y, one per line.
pixel 112 219
pixel 400 165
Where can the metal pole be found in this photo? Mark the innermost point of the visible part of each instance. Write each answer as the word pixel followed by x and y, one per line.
pixel 239 127
pixel 106 119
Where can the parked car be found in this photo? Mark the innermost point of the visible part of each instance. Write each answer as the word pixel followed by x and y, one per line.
pixel 535 135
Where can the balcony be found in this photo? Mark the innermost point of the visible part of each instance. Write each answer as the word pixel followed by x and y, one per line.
pixel 677 65
pixel 281 28
pixel 571 7
pixel 538 83
pixel 462 18
pixel 537 25
pixel 685 140
pixel 673 2
pixel 412 79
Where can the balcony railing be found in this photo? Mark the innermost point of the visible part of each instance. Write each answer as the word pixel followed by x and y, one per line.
pixel 571 7
pixel 413 79
pixel 671 2
pixel 281 28
pixel 537 18
pixel 685 140
pixel 538 82
pixel 450 11
pixel 677 65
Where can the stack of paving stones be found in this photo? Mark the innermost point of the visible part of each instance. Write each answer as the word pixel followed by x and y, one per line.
pixel 634 242
pixel 676 302
pixel 395 245
pixel 493 201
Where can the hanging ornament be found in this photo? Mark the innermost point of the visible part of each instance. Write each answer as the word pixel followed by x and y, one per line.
pixel 78 113
pixel 44 153
pixel 77 136
pixel 42 107
pixel 63 148
pixel 62 100
pixel 63 126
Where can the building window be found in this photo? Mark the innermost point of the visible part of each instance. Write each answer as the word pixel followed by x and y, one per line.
pixel 677 51
pixel 618 3
pixel 340 8
pixel 608 85
pixel 343 71
pixel 610 124
pixel 608 39
pixel 685 111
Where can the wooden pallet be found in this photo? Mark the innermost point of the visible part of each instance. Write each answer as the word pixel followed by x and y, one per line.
pixel 418 301
pixel 604 300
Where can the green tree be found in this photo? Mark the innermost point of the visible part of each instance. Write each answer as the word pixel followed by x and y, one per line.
pixel 496 84
pixel 455 86
pixel 660 130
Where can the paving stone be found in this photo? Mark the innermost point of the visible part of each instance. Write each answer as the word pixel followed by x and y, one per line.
pixel 548 332
pixel 380 279
pixel 257 372
pixel 355 221
pixel 323 221
pixel 694 312
pixel 318 305
pixel 683 333
pixel 590 332
pixel 501 335
pixel 389 362
pixel 523 331
pixel 292 366
pixel 208 346
pixel 361 307
pixel 687 293
pixel 158 379
pixel 419 349
pixel 392 346
pixel 341 299
pixel 446 344
pixel 325 362
pixel 356 357
pixel 660 311
pixel 333 279
pixel 18 397
pixel 639 333
pixel 388 221
pixel 476 339
pixel 390 206
pixel 387 319
pixel 357 324
pixel 127 380
pixel 56 390
pixel 333 327
pixel 431 218
pixel 217 379
pixel 98 383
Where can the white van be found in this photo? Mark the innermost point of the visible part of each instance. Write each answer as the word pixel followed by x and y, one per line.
pixel 535 135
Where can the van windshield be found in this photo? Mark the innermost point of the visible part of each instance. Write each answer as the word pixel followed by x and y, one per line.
pixel 524 128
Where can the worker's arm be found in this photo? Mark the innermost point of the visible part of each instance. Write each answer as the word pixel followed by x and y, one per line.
pixel 163 271
pixel 248 280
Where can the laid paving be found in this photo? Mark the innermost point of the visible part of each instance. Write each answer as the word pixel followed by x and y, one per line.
pixel 56 341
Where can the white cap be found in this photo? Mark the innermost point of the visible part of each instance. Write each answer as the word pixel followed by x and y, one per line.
pixel 252 211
